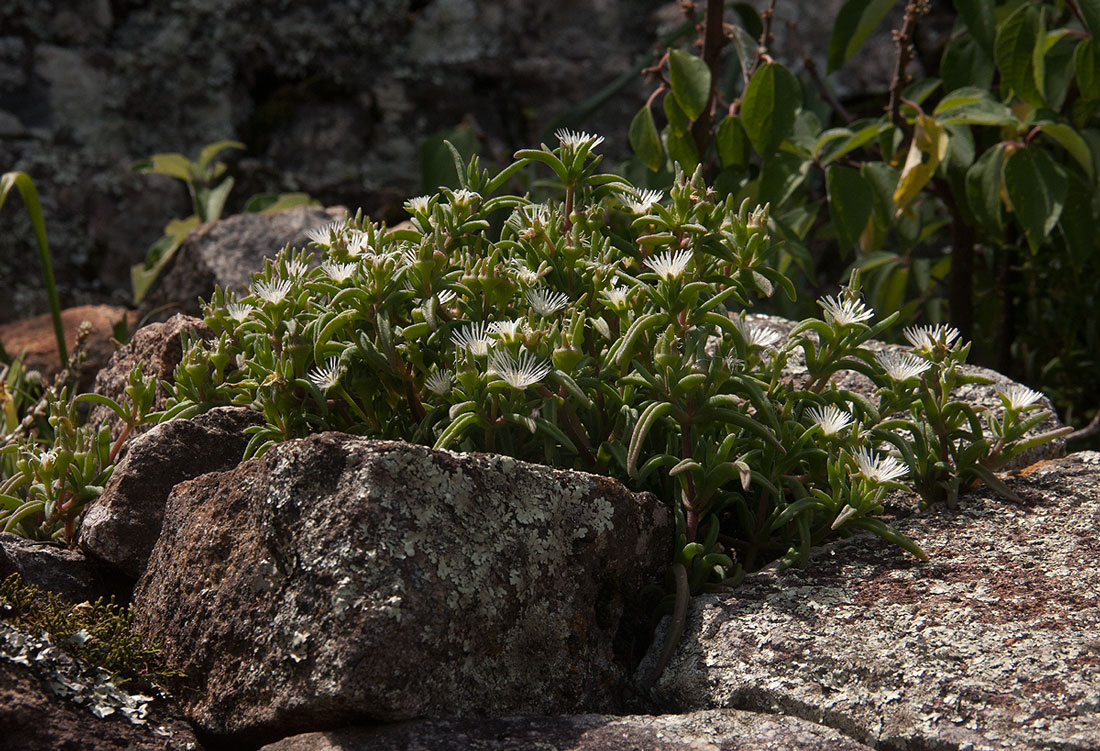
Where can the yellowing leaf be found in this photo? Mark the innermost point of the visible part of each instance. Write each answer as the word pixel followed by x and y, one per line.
pixel 927 150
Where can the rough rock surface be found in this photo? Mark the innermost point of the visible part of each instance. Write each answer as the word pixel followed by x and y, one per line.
pixel 990 644
pixel 339 580
pixel 159 349
pixel 50 701
pixel 981 396
pixel 51 567
pixel 720 730
pixel 333 99
pixel 35 338
pixel 121 526
pixel 228 252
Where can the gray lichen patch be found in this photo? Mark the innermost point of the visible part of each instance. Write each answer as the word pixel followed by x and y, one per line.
pixel 339 577
pixel 992 643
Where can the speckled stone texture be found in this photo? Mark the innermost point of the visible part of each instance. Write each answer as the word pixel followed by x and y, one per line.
pixel 338 580
pixel 158 348
pixel 719 730
pixel 51 702
pixel 994 643
pixel 981 396
pixel 227 253
pixel 53 567
pixel 332 98
pixel 120 527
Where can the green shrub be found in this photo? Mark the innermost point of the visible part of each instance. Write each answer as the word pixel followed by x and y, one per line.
pixel 603 332
pixel 972 198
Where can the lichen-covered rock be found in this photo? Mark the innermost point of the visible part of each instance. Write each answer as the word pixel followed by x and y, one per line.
pixel 978 395
pixel 158 348
pixel 228 252
pixel 50 701
pixel 339 580
pixel 54 568
pixel 990 644
pixel 121 526
pixel 719 730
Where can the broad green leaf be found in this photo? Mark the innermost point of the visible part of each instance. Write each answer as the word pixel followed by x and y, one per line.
pixel 1071 141
pixel 1090 9
pixel 850 203
pixel 172 165
pixel 1015 45
pixel 854 23
pixel 690 79
pixel 782 175
pixel 206 156
pixel 980 21
pixel 645 140
pixel 681 148
pixel 960 148
pixel 983 190
pixel 1037 188
pixel 213 200
pixel 437 167
pixel 733 143
pixel 744 44
pixel 269 203
pixel 1079 223
pixel 142 275
pixel 770 105
pixel 966 63
pixel 1038 56
pixel 883 180
pixel 677 118
pixel 1087 59
pixel 927 150
pixel 973 106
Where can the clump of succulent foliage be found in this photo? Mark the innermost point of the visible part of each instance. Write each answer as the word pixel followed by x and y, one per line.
pixel 604 331
pixel 99 634
pixel 52 461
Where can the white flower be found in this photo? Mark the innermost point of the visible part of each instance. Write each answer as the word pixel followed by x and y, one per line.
pixel 239 311
pixel 546 303
pixel 439 382
pixel 641 202
pixel 901 366
pixel 885 469
pixel 358 243
pixel 845 312
pixel 273 291
pixel 756 336
pixel 519 373
pixel 474 338
pixel 418 205
pixel 576 139
pixel 928 338
pixel 669 266
pixel 323 235
pixel 464 197
pixel 524 275
pixel 831 418
pixel 338 272
pixel 295 269
pixel 506 330
pixel 1020 397
pixel 445 296
pixel 327 376
pixel 616 298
